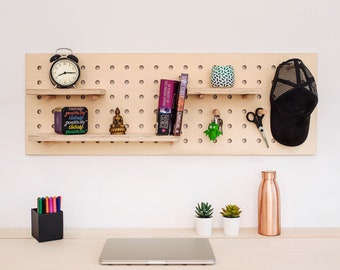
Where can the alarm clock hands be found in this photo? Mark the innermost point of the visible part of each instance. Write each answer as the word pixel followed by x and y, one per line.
pixel 66 72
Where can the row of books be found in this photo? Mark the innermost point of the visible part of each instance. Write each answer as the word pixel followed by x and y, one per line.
pixel 172 96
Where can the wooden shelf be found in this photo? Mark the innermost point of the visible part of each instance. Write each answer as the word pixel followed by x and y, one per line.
pixel 65 92
pixel 52 137
pixel 223 91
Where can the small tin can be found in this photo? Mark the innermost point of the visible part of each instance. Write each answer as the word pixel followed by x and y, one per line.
pixel 71 120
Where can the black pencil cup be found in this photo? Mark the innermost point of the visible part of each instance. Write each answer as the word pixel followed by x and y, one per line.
pixel 47 227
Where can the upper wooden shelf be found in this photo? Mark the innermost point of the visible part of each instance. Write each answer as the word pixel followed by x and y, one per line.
pixel 53 137
pixel 223 91
pixel 65 92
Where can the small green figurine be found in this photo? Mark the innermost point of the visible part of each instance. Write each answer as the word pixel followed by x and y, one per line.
pixel 215 127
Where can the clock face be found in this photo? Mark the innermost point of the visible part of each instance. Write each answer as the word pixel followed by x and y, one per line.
pixel 64 73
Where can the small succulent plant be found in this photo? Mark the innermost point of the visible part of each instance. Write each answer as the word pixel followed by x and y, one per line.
pixel 231 211
pixel 204 210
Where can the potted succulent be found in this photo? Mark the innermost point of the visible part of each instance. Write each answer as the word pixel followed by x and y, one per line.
pixel 204 213
pixel 231 219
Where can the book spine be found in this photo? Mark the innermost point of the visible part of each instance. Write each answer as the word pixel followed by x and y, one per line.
pixel 167 93
pixel 58 121
pixel 180 104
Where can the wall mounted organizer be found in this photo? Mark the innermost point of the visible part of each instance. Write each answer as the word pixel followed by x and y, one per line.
pixel 131 82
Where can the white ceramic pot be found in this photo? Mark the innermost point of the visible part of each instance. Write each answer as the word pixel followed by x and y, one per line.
pixel 231 226
pixel 204 226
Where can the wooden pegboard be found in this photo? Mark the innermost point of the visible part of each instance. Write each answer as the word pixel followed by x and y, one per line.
pixel 131 82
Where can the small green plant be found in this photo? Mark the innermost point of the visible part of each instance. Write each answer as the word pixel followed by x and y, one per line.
pixel 231 211
pixel 204 210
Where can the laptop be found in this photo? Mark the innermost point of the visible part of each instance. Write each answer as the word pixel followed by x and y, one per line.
pixel 185 251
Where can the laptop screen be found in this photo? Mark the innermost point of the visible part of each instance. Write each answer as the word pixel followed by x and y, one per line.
pixel 157 251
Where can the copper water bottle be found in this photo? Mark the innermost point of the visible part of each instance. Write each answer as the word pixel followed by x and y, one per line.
pixel 269 220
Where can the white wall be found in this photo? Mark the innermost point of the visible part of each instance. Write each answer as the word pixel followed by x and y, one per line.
pixel 142 195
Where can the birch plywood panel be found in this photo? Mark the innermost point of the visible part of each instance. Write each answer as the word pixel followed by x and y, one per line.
pixel 131 82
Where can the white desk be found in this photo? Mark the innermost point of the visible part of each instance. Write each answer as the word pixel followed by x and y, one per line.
pixel 299 249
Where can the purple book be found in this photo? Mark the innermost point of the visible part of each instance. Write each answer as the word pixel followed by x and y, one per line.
pixel 167 96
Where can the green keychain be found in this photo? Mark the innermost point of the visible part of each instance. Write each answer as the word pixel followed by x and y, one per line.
pixel 215 127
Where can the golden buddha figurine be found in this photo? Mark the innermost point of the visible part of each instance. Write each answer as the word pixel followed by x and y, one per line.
pixel 117 127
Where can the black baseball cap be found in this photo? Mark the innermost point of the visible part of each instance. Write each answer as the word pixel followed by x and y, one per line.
pixel 293 97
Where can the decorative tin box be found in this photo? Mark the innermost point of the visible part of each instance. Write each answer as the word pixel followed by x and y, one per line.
pixel 71 120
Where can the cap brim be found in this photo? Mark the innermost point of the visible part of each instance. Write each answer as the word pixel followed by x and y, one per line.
pixel 287 134
pixel 290 116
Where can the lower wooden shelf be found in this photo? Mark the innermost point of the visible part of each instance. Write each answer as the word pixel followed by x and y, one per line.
pixel 52 137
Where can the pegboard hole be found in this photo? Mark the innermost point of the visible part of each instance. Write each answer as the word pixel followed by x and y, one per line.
pixel 155 67
pixel 185 126
pixel 112 67
pixel 141 96
pixel 200 111
pixel 171 67
pixel 185 67
pixel 244 81
pixel 97 67
pixel 82 67
pixel 273 67
pixel 97 111
pixel 244 140
pixel 97 82
pixel 141 67
pixel 244 67
pixel 200 67
pixel 273 141
pixel 127 125
pixel 141 82
pixel 229 126
pixel 244 111
pixel 39 126
pixel 259 140
pixel 39 82
pixel 112 111
pixel 258 82
pixel 68 97
pixel 259 67
pixel 214 96
pixel 82 97
pixel 244 125
pixel 185 111
pixel 112 96
pixel 229 96
pixel 97 126
pixel 200 126
pixel 126 111
pixel 39 111
pixel 126 82
pixel 126 96
pixel 38 67
pixel 200 82
pixel 156 82
pixel 229 111
pixel 229 140
pixel 141 126
pixel 82 82
pixel 258 96
pixel 185 140
pixel 112 82
pixel 38 96
pixel 155 96
pixel 199 140
pixel 126 67
pixel 141 111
